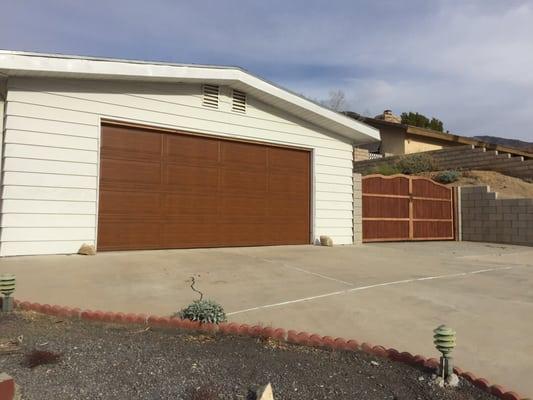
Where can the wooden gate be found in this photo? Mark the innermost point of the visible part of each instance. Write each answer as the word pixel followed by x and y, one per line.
pixel 402 207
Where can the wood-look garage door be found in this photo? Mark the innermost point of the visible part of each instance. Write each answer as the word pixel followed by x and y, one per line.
pixel 161 190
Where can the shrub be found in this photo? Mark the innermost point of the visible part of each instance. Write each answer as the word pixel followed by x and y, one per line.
pixel 205 311
pixel 416 163
pixel 40 357
pixel 447 176
pixel 385 169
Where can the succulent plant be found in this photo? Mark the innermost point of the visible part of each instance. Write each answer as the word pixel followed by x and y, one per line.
pixel 447 176
pixel 205 311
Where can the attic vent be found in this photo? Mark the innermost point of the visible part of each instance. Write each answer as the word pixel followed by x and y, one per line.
pixel 210 96
pixel 239 101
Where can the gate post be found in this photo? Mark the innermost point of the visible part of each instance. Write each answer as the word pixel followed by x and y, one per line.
pixel 458 215
pixel 357 209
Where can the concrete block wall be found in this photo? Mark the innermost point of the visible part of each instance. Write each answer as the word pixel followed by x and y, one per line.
pixel 357 209
pixel 360 154
pixel 485 218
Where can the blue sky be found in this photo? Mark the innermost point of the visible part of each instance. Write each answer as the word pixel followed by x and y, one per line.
pixel 468 62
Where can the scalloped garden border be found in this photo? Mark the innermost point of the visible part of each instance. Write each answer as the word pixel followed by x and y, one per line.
pixel 256 331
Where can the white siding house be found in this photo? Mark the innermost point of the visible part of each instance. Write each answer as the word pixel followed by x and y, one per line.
pixel 53 110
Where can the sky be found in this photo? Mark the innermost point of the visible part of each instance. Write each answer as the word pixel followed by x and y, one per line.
pixel 468 62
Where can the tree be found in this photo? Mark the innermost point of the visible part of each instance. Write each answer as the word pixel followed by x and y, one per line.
pixel 416 119
pixel 336 101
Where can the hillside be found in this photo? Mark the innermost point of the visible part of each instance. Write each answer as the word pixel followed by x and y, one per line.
pixel 518 144
pixel 507 187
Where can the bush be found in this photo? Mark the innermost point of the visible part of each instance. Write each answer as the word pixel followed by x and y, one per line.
pixel 447 176
pixel 385 169
pixel 205 311
pixel 416 163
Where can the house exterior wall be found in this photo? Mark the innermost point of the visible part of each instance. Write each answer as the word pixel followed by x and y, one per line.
pixel 417 144
pixel 485 218
pixel 357 209
pixel 51 154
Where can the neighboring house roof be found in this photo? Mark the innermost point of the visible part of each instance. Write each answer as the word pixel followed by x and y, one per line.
pixel 429 133
pixel 13 63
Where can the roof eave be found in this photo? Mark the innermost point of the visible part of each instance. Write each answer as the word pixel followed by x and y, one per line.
pixel 35 64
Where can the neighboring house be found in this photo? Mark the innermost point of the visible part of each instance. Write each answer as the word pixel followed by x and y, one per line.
pixel 398 138
pixel 138 155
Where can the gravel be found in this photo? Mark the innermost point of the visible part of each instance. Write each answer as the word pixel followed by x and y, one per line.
pixel 107 361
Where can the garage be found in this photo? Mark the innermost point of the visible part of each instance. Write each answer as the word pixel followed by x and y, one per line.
pixel 110 155
pixel 162 190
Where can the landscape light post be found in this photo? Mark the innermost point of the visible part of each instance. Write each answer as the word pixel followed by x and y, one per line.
pixel 7 287
pixel 444 340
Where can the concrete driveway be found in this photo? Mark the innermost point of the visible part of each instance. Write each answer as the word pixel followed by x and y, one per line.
pixel 391 294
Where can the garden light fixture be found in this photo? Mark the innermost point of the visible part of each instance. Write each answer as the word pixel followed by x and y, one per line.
pixel 7 287
pixel 444 340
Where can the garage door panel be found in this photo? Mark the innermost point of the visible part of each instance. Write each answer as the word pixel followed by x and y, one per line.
pixel 122 142
pixel 244 234
pixel 282 232
pixel 284 183
pixel 113 202
pixel 187 235
pixel 286 207
pixel 121 234
pixel 191 179
pixel 136 172
pixel 288 160
pixel 175 205
pixel 200 192
pixel 245 182
pixel 240 206
pixel 191 150
pixel 243 155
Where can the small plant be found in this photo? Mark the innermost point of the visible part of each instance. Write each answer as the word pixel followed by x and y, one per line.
pixel 447 176
pixel 416 163
pixel 205 311
pixel 385 169
pixel 40 357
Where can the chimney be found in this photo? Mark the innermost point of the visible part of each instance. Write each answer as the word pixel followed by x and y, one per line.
pixel 389 117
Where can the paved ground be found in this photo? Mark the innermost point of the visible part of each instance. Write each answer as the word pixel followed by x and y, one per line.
pixel 391 294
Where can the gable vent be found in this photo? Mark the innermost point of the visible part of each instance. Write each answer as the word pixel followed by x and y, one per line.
pixel 239 101
pixel 210 96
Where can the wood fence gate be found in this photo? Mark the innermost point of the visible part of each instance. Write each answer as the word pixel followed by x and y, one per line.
pixel 402 207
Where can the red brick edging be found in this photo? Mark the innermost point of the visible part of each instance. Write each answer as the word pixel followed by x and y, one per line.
pixel 291 336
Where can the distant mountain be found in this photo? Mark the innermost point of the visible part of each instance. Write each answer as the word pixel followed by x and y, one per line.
pixel 517 144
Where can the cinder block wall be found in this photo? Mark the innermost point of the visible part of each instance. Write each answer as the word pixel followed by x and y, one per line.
pixel 485 218
pixel 360 154
pixel 357 209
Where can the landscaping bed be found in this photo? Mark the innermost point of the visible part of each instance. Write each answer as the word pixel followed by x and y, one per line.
pixel 112 361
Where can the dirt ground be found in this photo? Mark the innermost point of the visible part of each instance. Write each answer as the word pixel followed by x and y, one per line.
pixel 106 361
pixel 507 187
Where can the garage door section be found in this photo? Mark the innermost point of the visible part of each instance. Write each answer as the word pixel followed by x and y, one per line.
pixel 402 207
pixel 162 190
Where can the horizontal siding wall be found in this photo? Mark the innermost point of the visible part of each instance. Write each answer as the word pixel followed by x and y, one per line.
pixel 52 133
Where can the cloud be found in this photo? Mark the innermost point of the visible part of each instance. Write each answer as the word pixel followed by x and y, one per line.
pixel 466 62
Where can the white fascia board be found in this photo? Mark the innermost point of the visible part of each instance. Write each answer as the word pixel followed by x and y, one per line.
pixel 36 64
